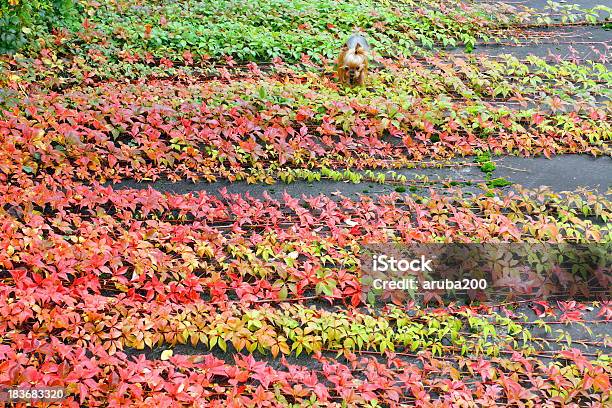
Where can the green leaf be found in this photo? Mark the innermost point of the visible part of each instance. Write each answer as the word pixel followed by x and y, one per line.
pixel 222 344
pixel 283 292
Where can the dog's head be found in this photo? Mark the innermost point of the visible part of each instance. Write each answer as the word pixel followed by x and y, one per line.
pixel 354 72
pixel 355 63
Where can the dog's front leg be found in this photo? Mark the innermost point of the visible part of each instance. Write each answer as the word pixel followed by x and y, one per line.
pixel 362 78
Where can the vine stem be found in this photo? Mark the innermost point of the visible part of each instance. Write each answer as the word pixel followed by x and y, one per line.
pixel 512 168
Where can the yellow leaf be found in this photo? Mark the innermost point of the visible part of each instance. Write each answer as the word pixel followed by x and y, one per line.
pixel 194 338
pixel 455 374
pixel 166 354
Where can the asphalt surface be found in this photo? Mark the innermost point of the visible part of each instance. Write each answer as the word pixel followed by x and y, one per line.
pixel 542 5
pixel 560 173
pixel 576 44
pixel 573 43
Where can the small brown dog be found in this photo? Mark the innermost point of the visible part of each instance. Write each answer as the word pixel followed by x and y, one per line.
pixel 353 61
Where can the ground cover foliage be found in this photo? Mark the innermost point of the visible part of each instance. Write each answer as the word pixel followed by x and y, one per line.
pixel 139 297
